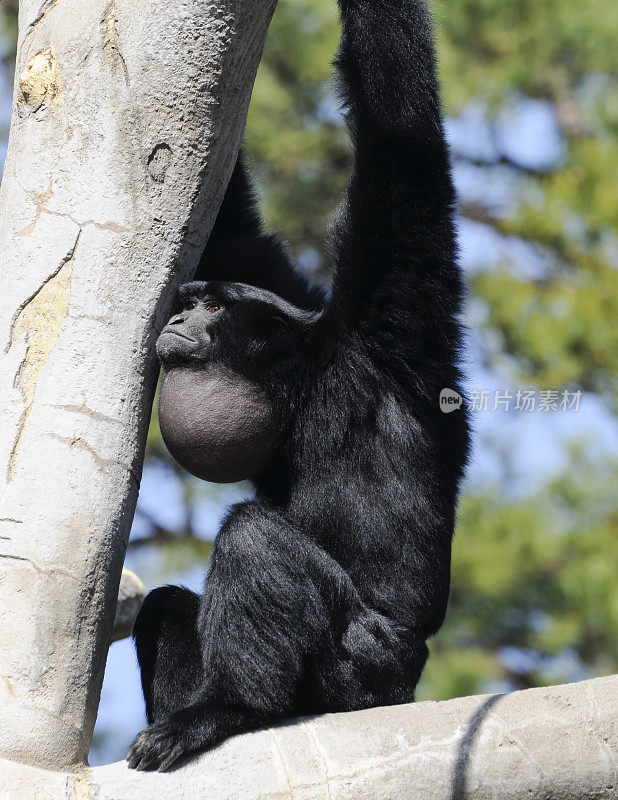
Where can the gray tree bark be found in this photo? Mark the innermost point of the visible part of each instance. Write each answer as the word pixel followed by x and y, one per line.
pixel 131 595
pixel 126 118
pixel 558 743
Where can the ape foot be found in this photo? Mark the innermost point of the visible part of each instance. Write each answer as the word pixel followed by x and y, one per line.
pixel 196 728
pixel 157 747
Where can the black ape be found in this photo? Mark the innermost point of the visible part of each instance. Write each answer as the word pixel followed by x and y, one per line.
pixel 323 590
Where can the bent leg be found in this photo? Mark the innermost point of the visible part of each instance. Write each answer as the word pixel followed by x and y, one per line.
pixel 282 630
pixel 271 603
pixel 286 632
pixel 168 651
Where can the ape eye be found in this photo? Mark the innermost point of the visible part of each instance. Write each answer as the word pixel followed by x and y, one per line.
pixel 212 308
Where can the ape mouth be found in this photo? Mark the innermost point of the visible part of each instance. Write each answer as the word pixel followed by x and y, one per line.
pixel 172 332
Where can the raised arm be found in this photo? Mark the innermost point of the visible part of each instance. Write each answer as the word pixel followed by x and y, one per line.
pixel 240 250
pixel 393 239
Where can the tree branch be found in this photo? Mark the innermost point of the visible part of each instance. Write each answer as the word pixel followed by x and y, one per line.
pixel 559 742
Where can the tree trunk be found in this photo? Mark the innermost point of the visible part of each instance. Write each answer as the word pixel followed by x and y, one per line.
pixel 126 119
pixel 557 743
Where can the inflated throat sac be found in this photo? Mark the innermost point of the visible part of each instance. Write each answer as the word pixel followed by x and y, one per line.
pixel 219 427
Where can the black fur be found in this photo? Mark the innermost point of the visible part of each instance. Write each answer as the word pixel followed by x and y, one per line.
pixel 323 591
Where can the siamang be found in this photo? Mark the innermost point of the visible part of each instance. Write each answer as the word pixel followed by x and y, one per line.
pixel 324 588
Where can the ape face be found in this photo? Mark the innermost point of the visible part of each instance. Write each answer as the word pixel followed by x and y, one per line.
pixel 187 337
pixel 217 408
pixel 241 327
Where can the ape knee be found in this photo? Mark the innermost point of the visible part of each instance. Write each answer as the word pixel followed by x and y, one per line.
pixel 167 603
pixel 168 649
pixel 247 531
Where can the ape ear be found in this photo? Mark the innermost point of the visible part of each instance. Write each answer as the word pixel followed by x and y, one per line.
pixel 282 321
pixel 271 327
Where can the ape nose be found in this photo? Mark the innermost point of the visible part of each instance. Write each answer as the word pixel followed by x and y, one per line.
pixel 177 319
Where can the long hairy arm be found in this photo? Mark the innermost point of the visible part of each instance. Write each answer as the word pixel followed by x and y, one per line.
pixel 393 237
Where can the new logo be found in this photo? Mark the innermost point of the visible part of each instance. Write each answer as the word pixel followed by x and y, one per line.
pixel 450 400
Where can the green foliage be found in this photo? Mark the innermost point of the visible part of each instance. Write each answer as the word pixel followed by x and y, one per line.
pixel 563 331
pixel 302 160
pixel 8 24
pixel 489 46
pixel 538 575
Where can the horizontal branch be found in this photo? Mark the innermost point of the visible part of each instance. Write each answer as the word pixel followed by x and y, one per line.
pixel 130 598
pixel 559 742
